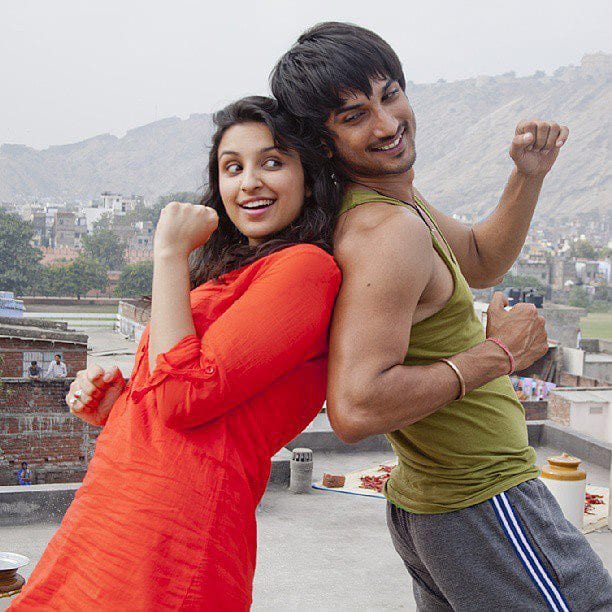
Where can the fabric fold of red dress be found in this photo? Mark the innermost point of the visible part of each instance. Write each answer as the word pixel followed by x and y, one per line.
pixel 165 517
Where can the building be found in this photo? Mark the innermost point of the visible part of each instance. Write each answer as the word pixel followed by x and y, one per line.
pixel 590 364
pixel 42 231
pixel 142 236
pixel 587 410
pixel 134 315
pixel 63 229
pixel 25 340
pixel 536 268
pixel 563 272
pixel 118 204
pixel 9 306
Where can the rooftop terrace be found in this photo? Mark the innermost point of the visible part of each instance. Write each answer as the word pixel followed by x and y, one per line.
pixel 320 551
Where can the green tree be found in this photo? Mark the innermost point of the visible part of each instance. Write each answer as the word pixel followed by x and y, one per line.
pixel 136 280
pixel 520 282
pixel 583 249
pixel 72 278
pixel 19 260
pixel 83 274
pixel 180 196
pixel 104 246
pixel 578 297
pixel 53 280
pixel 604 253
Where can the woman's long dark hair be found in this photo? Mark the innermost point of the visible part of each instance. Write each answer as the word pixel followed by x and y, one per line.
pixel 227 249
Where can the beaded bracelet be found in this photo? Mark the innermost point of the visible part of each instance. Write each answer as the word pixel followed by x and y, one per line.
pixel 456 370
pixel 507 351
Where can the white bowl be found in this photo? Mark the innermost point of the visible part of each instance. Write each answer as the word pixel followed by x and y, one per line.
pixel 12 561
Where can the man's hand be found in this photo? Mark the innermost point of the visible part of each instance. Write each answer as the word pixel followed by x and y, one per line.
pixel 521 329
pixel 536 145
pixel 93 393
pixel 183 227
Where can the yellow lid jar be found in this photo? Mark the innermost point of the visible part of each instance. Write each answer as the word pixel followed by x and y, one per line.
pixel 567 482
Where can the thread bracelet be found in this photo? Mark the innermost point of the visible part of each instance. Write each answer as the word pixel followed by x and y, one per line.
pixel 507 351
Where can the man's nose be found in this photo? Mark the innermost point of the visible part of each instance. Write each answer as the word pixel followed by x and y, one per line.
pixel 386 125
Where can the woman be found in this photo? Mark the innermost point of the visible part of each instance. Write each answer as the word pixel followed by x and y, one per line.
pixel 223 378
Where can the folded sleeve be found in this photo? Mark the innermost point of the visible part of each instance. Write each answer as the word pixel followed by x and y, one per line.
pixel 279 322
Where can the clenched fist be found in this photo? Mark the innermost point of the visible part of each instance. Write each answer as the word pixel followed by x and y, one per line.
pixel 183 227
pixel 93 393
pixel 536 145
pixel 521 329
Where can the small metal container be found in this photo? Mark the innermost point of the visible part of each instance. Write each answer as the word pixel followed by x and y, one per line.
pixel 301 470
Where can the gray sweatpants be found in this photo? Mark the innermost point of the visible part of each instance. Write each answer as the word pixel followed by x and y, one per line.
pixel 515 551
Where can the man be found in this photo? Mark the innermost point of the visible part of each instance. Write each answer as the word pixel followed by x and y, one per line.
pixel 57 368
pixel 24 475
pixel 34 371
pixel 409 358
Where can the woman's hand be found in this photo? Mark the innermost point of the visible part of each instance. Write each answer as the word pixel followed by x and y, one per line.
pixel 183 227
pixel 93 393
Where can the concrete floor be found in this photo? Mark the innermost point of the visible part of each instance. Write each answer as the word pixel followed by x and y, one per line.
pixel 107 347
pixel 320 551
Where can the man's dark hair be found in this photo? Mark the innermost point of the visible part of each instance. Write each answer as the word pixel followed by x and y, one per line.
pixel 328 60
pixel 59 356
pixel 24 463
pixel 33 363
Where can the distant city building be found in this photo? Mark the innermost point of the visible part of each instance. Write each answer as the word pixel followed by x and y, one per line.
pixel 118 204
pixel 536 268
pixel 42 231
pixel 63 230
pixel 142 237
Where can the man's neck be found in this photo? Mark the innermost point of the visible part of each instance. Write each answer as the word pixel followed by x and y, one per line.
pixel 397 186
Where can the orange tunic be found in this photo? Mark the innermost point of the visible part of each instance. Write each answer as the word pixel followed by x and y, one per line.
pixel 165 517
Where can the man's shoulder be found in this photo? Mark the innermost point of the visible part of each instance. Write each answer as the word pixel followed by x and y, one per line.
pixel 377 224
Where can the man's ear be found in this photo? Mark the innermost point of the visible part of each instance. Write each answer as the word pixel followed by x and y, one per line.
pixel 326 148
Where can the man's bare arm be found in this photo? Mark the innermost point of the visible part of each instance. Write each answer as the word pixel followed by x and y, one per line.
pixel 487 250
pixel 386 259
pixel 386 266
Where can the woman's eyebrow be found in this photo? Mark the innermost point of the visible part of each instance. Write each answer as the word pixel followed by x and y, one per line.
pixel 264 150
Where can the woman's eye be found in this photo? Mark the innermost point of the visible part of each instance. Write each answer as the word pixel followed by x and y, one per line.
pixel 232 168
pixel 272 164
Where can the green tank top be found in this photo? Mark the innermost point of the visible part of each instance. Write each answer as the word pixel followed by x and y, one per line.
pixel 469 450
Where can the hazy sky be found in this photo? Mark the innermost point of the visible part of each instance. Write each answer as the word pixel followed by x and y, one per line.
pixel 71 69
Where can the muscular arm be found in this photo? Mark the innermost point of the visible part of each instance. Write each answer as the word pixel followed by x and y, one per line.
pixel 386 258
pixel 487 250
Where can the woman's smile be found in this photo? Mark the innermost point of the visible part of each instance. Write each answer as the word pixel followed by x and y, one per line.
pixel 256 208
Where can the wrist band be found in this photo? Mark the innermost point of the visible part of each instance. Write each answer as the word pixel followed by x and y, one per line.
pixel 455 369
pixel 507 351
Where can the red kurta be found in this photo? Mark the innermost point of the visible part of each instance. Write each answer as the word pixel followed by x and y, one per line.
pixel 165 518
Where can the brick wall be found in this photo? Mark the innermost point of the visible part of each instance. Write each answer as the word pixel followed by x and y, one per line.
pixel 569 380
pixel 559 409
pixel 12 349
pixel 36 426
pixel 536 411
